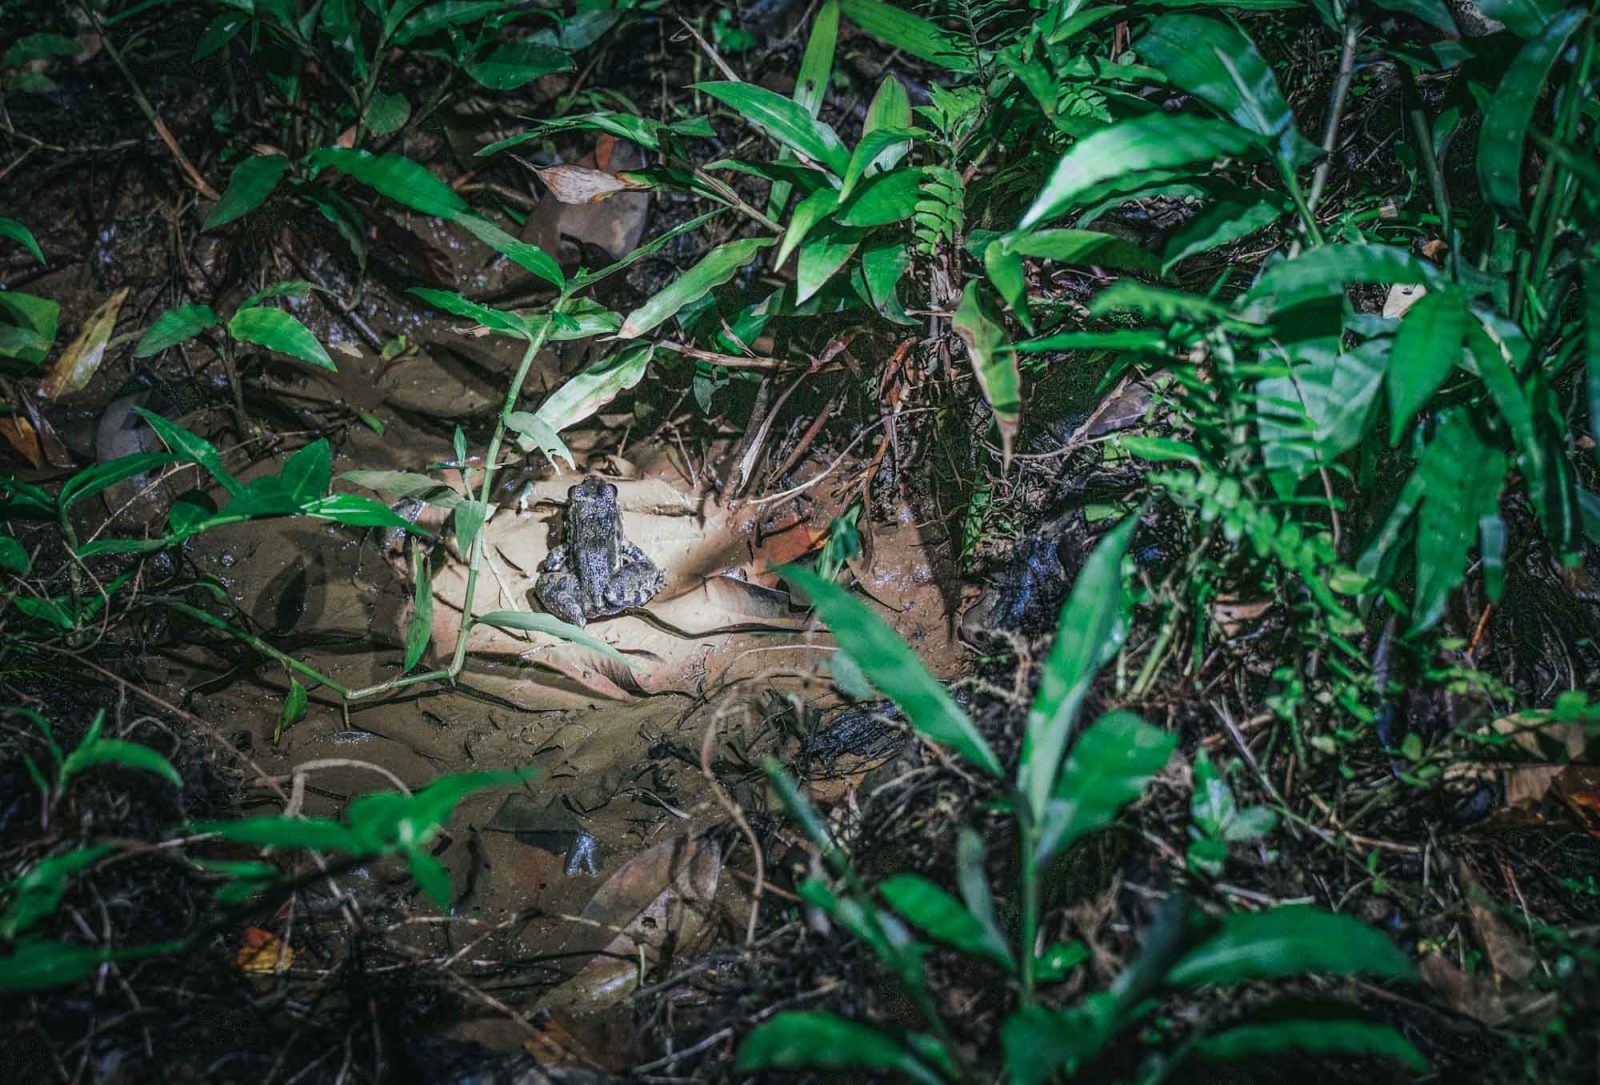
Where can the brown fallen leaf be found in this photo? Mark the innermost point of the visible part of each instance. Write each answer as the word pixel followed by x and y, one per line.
pixel 81 360
pixel 1509 955
pixel 263 953
pixel 579 184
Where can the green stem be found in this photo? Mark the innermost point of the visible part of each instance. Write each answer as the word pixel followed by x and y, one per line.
pixel 1030 901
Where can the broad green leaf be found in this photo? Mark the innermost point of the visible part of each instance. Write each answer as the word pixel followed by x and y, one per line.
pixel 883 264
pixel 494 319
pixel 784 120
pixel 307 473
pixel 1331 269
pixel 36 894
pixel 175 326
pixel 884 198
pixel 1336 392
pixel 1427 348
pixel 1089 633
pixel 387 821
pixel 320 834
pixel 1462 480
pixel 420 629
pixel 92 480
pixel 14 557
pixel 402 180
pixel 27 327
pixel 252 182
pixel 222 29
pixel 1084 247
pixel 1313 1036
pixel 806 214
pixel 191 447
pixel 890 108
pixel 1509 116
pixel 879 149
pixel 40 46
pixel 943 917
pixel 19 233
pixel 911 34
pixel 1009 276
pixel 1289 941
pixel 1218 64
pixel 1154 141
pixel 994 363
pixel 891 666
pixel 826 1041
pixel 277 330
pixel 821 257
pixel 1107 768
pixel 1525 18
pixel 716 268
pixel 512 64
pixel 430 875
pixel 1221 221
pixel 536 621
pixel 387 114
pixel 1038 1041
pixel 115 751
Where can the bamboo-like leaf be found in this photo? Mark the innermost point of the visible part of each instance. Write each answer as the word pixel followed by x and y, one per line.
pixel 1509 117
pixel 890 665
pixel 826 1041
pixel 1427 347
pixel 277 330
pixel 944 918
pixel 1088 634
pixel 1289 941
pixel 1107 768
pixel 420 629
pixel 512 64
pixel 993 362
pixel 1152 142
pixel 191 447
pixel 19 233
pixel 911 34
pixel 307 473
pixel 536 621
pixel 395 176
pixel 494 319
pixel 716 268
pixel 784 120
pixel 1318 1037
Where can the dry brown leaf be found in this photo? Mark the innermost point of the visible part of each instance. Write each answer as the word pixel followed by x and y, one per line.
pixel 579 184
pixel 263 953
pixel 81 360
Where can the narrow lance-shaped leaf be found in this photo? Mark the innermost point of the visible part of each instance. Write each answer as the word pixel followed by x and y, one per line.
pixel 1427 347
pixel 1311 1036
pixel 175 326
pixel 190 446
pixel 420 629
pixel 1088 633
pixel 826 1041
pixel 1510 115
pixel 891 666
pixel 943 917
pixel 19 233
pixel 784 120
pixel 911 34
pixel 394 176
pixel 1108 768
pixel 1155 141
pixel 993 362
pixel 1287 941
pixel 716 268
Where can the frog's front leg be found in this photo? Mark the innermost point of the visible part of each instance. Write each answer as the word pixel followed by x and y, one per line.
pixel 561 594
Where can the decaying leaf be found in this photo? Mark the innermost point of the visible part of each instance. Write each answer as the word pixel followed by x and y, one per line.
pixel 263 953
pixel 579 184
pixel 81 360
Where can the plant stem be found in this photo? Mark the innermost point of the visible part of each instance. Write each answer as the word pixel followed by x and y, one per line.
pixel 1336 100
pixel 1030 900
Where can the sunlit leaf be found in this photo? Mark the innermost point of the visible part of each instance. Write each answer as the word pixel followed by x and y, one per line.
pixel 716 268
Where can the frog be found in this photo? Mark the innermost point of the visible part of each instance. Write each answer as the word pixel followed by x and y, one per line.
pixel 595 572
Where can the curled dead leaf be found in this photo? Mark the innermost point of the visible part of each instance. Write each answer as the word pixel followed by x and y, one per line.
pixel 81 360
pixel 263 953
pixel 579 184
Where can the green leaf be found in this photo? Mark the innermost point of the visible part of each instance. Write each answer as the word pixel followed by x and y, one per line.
pixel 536 621
pixel 826 1041
pixel 821 257
pixel 113 751
pixel 1313 1036
pixel 816 65
pixel 1427 348
pixel 911 34
pixel 579 398
pixel 1107 768
pixel 1331 269
pixel 175 326
pixel 251 183
pixel 19 233
pixel 295 703
pixel 512 64
pixel 1039 1041
pixel 884 199
pixel 14 556
pixel 406 484
pixel 806 214
pixel 716 268
pixel 191 447
pixel 36 894
pixel 28 327
pixel 1218 64
pixel 944 918
pixel 494 319
pixel 783 120
pixel 893 668
pixel 307 474
pixel 355 510
pixel 277 330
pixel 1525 18
pixel 1462 480
pixel 319 834
pixel 994 363
pixel 37 965
pixel 1154 141
pixel 1089 633
pixel 40 46
pixel 878 150
pixel 1223 219
pixel 93 480
pixel 420 629
pixel 1591 338
pixel 1084 247
pixel 527 256
pixel 387 113
pixel 402 180
pixel 1289 941
pixel 1509 116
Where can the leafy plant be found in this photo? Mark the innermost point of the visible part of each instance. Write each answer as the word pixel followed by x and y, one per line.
pixel 1219 821
pixel 1061 793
